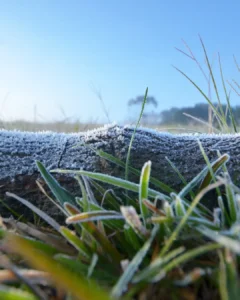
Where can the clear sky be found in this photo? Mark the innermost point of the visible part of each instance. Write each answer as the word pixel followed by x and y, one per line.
pixel 54 53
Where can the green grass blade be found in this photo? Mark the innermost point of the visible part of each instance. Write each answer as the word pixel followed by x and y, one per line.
pixel 220 117
pixel 143 190
pixel 184 258
pixel 214 167
pixel 94 216
pixel 122 183
pixel 126 277
pixel 151 270
pixel 133 135
pixel 200 177
pixel 194 203
pixel 60 193
pixel 76 242
pixel 118 162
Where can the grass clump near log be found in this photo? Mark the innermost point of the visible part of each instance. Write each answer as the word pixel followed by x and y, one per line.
pixel 144 244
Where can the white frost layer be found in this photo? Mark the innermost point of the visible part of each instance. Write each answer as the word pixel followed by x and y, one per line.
pixel 106 129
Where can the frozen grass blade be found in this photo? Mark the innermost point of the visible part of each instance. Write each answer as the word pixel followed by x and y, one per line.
pixel 218 162
pixel 143 190
pixel 213 169
pixel 60 193
pixel 126 277
pixel 150 271
pixel 94 216
pixel 225 241
pixel 132 218
pixel 128 185
pixel 39 212
pixel 184 258
pixel 183 221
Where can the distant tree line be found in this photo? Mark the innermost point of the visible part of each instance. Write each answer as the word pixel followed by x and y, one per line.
pixel 177 115
pixel 200 111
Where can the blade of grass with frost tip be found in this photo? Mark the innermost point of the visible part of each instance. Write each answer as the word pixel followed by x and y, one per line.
pixel 151 270
pixel 113 224
pixel 60 193
pixel 39 212
pixel 184 258
pixel 84 193
pixel 90 194
pixel 76 242
pixel 143 190
pixel 121 286
pixel 225 241
pixel 184 219
pixel 198 178
pixel 94 216
pixel 11 293
pixel 130 215
pixel 128 185
pixel 133 135
pixel 118 162
pixel 222 119
pixel 227 96
pixel 215 167
pixel 76 285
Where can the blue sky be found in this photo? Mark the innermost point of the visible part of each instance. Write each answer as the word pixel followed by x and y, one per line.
pixel 54 53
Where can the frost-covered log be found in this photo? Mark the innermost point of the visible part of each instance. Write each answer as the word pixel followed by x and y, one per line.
pixel 20 150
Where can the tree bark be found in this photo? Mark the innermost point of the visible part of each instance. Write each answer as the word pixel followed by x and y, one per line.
pixel 20 150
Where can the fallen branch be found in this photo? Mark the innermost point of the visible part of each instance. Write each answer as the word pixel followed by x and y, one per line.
pixel 20 150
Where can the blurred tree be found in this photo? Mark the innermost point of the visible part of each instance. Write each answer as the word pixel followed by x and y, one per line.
pixel 139 100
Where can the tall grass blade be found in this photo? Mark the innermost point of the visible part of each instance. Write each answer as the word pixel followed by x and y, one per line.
pixel 133 135
pixel 126 277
